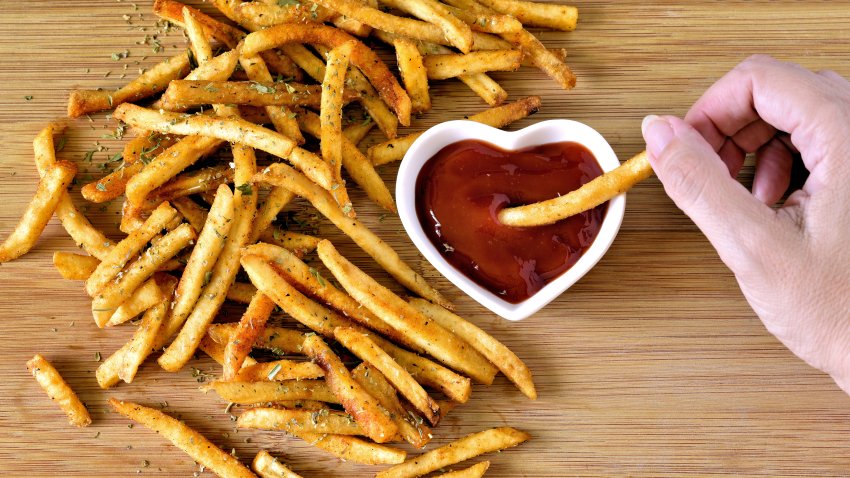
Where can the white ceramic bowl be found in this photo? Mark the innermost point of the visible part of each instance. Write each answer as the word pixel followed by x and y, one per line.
pixel 444 134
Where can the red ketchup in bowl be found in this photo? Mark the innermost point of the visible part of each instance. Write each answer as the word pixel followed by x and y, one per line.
pixel 461 189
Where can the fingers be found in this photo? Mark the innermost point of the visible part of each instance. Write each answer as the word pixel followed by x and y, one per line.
pixel 773 172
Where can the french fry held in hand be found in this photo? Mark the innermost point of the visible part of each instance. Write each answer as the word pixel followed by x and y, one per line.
pixel 588 196
pixel 266 466
pixel 58 390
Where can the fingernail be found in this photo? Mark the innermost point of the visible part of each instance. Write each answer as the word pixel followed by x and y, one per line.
pixel 657 133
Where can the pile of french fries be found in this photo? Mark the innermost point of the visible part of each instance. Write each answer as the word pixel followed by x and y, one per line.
pixel 190 231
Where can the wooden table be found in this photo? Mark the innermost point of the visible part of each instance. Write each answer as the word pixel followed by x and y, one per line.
pixel 652 365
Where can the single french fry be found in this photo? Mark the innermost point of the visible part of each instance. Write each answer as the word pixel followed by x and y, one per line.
pixel 463 449
pixel 221 32
pixel 352 26
pixel 331 121
pixel 259 15
pixel 454 29
pixel 241 292
pixel 354 449
pixel 141 345
pixel 305 59
pixel 295 242
pixel 367 412
pixel 364 58
pixel 542 58
pixel 152 81
pixel 250 326
pixel 107 299
pixel 496 352
pixel 185 93
pixel 475 471
pixel 278 339
pixel 278 370
pixel 430 336
pixel 365 349
pixel 216 351
pixel 281 175
pixel 260 392
pixel 197 37
pixel 312 405
pixel 192 212
pixel 182 436
pixel 59 391
pixel 485 21
pixel 537 14
pixel 74 266
pixel 591 194
pixel 413 74
pixel 266 466
pixel 304 421
pixel 198 181
pixel 143 298
pixel 281 117
pixel 394 150
pixel 441 67
pixel 267 212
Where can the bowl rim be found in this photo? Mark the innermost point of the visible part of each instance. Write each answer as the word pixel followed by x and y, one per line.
pixel 549 131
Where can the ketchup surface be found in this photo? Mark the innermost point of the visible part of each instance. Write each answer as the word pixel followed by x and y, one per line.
pixel 460 191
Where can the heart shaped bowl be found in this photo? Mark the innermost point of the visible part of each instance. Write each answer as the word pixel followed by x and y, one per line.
pixel 552 131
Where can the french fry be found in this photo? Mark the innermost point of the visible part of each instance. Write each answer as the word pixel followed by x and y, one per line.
pixel 299 244
pixel 303 421
pixel 430 336
pixel 49 193
pixel 143 298
pixel 281 117
pixel 364 58
pixel 312 405
pixel 152 81
pixel 454 29
pixel 394 150
pixel 356 132
pixel 173 11
pixel 305 59
pixel 441 67
pixel 198 181
pixel 59 391
pixel 279 370
pixel 241 292
pixel 260 392
pixel 537 14
pixel 186 93
pixel 276 200
pixel 367 412
pixel 502 357
pixel 278 339
pixel 591 194
pixel 349 448
pixel 197 37
pixel 413 74
pixel 484 21
pixel 266 466
pixel 331 121
pixel 141 345
pixel 281 175
pixel 250 326
pixel 183 437
pixel 192 212
pixel 352 26
pixel 365 349
pixel 74 266
pixel 414 432
pixel 107 299
pixel 475 471
pixel 259 15
pixel 216 351
pixel 470 446
pixel 542 58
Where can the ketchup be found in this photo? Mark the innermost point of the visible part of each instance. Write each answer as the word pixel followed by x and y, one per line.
pixel 461 189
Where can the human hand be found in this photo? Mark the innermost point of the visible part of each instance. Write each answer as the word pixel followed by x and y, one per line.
pixel 793 262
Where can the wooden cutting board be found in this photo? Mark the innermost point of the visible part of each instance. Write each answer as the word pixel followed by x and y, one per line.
pixel 652 365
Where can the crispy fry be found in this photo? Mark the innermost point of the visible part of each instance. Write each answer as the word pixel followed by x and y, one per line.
pixel 278 339
pixel 259 15
pixel 304 421
pixel 58 390
pixel 141 345
pixel 299 244
pixel 250 326
pixel 352 26
pixel 74 266
pixel 150 82
pixel 185 93
pixel 276 200
pixel 216 351
pixel 430 336
pixel 279 370
pixel 454 29
pixel 260 392
pixel 197 37
pixel 542 58
pixel 241 292
pixel 413 74
pixel 185 184
pixel 498 117
pixel 361 56
pixel 331 121
pixel 173 12
pixel 281 175
pixel 182 436
pixel 590 195
pixel 502 357
pixel 49 193
pixel 467 447
pixel 192 212
pixel 367 412
pixel 485 21
pixel 267 466
pixel 475 471
pixel 143 298
pixel 546 15
pixel 281 117
pixel 441 67
pixel 354 449
pixel 365 349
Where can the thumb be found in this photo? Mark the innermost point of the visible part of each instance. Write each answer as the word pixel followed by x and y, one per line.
pixel 698 182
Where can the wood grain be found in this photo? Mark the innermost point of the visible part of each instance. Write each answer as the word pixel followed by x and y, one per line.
pixel 652 365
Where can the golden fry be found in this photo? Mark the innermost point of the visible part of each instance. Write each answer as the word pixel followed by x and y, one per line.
pixel 143 298
pixel 281 117
pixel 278 339
pixel 413 74
pixel 186 93
pixel 58 390
pixel 354 449
pixel 303 421
pixel 279 370
pixel 260 392
pixel 542 58
pixel 259 15
pixel 250 326
pixel 331 121
pixel 74 266
pixel 198 181
pixel 537 14
pixel 441 67
pixel 173 12
pixel 475 471
pixel 141 345
pixel 299 244
pixel 454 29
pixel 266 466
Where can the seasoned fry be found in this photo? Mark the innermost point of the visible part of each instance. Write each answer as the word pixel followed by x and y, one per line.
pixel 260 392
pixel 367 412
pixel 281 117
pixel 546 15
pixel 454 29
pixel 49 193
pixel 394 150
pixel 216 351
pixel 413 74
pixel 150 82
pixel 250 326
pixel 502 357
pixel 194 182
pixel 276 200
pixel 141 345
pixel 259 15
pixel 192 212
pixel 173 12
pixel 590 195
pixel 281 175
pixel 279 370
pixel 143 298
pixel 542 58
pixel 467 447
pixel 331 121
pixel 267 466
pixel 441 67
pixel 352 26
pixel 74 266
pixel 354 449
pixel 185 93
pixel 197 37
pixel 475 471
pixel 279 339
pixel 299 244
pixel 303 421
pixel 182 436
pixel 484 21
pixel 430 336
pixel 361 56
pixel 58 390
pixel 240 292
